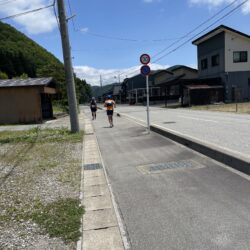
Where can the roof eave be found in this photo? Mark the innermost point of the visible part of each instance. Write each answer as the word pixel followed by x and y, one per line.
pixel 216 31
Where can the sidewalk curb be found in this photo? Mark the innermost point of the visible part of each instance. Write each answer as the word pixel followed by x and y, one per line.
pixel 101 226
pixel 219 154
pixel 123 233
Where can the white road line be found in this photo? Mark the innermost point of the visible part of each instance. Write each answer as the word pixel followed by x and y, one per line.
pixel 198 119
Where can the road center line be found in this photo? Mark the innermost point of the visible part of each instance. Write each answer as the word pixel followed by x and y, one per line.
pixel 199 119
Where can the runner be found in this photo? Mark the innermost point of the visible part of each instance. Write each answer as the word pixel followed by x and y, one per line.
pixel 93 107
pixel 110 105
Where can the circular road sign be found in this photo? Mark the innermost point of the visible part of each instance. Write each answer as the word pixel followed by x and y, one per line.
pixel 145 70
pixel 145 59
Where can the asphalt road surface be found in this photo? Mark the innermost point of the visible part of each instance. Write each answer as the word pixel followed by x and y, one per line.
pixel 227 130
pixel 193 204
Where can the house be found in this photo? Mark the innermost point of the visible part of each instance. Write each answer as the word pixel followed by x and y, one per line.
pixel 174 81
pixel 223 56
pixel 134 89
pixel 26 100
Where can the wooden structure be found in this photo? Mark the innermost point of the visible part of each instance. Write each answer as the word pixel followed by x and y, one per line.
pixel 26 100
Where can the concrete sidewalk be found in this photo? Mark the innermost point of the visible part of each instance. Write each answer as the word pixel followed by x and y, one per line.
pixel 169 196
pixel 236 160
pixel 99 225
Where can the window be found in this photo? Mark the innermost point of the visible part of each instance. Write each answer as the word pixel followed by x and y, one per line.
pixel 204 63
pixel 215 60
pixel 240 56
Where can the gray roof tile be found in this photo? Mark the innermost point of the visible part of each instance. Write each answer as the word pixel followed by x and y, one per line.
pixel 25 82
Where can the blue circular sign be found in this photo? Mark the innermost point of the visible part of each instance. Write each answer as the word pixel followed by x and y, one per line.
pixel 145 70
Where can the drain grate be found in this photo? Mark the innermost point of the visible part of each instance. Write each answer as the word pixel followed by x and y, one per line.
pixel 170 165
pixel 93 166
pixel 174 165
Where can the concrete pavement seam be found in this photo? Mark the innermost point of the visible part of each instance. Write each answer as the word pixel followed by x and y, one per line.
pixel 92 155
pixel 79 242
pixel 123 232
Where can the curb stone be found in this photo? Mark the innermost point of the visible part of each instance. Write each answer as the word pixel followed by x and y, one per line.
pixel 100 227
pixel 217 153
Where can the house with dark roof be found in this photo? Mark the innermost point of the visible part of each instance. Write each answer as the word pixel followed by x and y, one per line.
pixel 26 100
pixel 134 88
pixel 223 57
pixel 174 80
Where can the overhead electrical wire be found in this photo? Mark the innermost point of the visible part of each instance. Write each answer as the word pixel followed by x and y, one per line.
pixel 71 13
pixel 27 12
pixel 224 16
pixel 55 14
pixel 114 37
pixel 181 45
pixel 127 39
pixel 196 28
pixel 7 2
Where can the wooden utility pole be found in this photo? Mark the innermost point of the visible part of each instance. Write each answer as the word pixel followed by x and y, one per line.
pixel 71 92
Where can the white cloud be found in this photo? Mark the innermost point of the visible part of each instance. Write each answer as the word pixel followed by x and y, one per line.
pixel 34 23
pixel 216 3
pixel 151 1
pixel 92 75
pixel 84 30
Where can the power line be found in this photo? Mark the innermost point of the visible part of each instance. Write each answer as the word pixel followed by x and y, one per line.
pixel 224 16
pixel 28 12
pixel 7 2
pixel 55 14
pixel 181 45
pixel 126 39
pixel 115 37
pixel 196 28
pixel 71 13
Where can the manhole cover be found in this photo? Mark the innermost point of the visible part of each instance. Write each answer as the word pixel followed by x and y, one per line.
pixel 174 165
pixel 170 165
pixel 93 166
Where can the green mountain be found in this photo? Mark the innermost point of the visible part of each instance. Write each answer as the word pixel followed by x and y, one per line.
pixel 21 56
pixel 98 91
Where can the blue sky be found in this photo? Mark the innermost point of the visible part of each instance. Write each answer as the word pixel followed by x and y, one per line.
pixel 110 35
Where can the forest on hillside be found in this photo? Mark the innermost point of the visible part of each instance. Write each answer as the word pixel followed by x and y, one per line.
pixel 21 57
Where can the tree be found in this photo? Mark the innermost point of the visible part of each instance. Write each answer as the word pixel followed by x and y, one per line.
pixel 3 75
pixel 83 90
pixel 22 76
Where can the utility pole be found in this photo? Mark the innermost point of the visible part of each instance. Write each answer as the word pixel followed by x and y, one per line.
pixel 71 92
pixel 101 86
pixel 101 81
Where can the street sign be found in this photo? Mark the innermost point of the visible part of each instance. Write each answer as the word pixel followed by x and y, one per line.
pixel 145 70
pixel 145 59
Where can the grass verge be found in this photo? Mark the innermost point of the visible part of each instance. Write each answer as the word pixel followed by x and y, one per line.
pixel 40 171
pixel 243 108
pixel 37 135
pixel 60 218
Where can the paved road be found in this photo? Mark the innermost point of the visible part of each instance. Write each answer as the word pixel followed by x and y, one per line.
pixel 227 130
pixel 205 207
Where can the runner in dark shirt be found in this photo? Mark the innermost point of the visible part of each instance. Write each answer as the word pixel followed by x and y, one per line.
pixel 93 107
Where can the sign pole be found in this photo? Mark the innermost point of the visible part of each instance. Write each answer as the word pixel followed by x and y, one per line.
pixel 148 124
pixel 145 71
